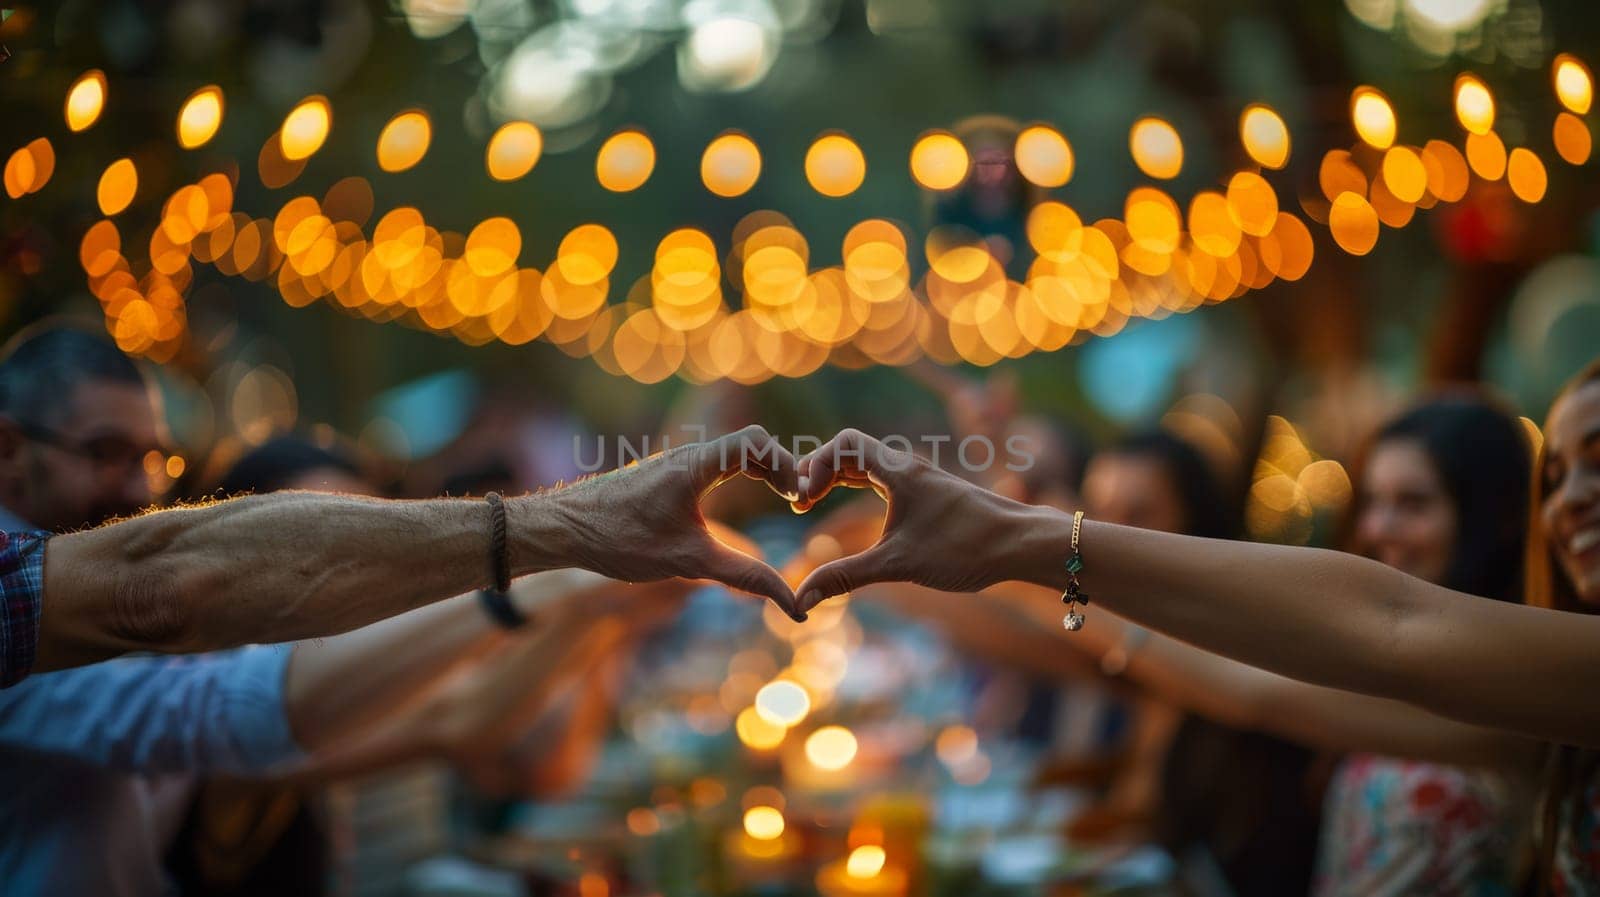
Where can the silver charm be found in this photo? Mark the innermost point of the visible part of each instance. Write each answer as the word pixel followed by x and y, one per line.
pixel 1072 622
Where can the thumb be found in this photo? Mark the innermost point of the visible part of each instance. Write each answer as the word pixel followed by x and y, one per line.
pixel 740 571
pixel 844 575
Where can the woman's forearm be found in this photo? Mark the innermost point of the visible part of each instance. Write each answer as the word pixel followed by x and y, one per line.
pixel 1335 620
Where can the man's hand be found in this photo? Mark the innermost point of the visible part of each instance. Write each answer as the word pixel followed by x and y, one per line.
pixel 643 523
pixel 941 531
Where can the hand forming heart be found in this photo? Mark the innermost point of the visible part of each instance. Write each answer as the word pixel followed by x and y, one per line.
pixel 940 530
pixel 643 522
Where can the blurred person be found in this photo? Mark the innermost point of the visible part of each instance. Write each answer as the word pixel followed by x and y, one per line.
pixel 151 582
pixel 1422 671
pixel 1231 804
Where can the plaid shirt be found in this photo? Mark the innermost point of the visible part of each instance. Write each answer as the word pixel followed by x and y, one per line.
pixel 21 599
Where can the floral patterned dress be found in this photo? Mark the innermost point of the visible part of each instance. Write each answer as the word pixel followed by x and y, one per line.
pixel 1577 854
pixel 1395 827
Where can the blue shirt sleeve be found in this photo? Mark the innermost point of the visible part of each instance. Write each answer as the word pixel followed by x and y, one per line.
pixel 212 713
pixel 21 600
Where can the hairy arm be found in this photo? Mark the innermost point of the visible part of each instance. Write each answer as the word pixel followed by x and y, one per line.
pixel 297 565
pixel 269 568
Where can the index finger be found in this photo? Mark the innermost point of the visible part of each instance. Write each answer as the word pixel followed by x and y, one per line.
pixel 751 452
pixel 851 458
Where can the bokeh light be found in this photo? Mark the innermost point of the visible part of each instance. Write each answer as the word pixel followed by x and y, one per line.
pixel 866 861
pixel 1526 175
pixel 513 150
pixel 29 168
pixel 1156 147
pixel 730 165
pixel 1573 82
pixel 404 140
pixel 1264 135
pixel 200 117
pixel 1403 174
pixel 1043 156
pixel 831 747
pixel 764 823
pixel 305 128
pixel 1486 155
pixel 1474 104
pixel 86 99
pixel 1373 117
pixel 835 166
pixel 1354 223
pixel 625 161
pixel 118 184
pixel 783 702
pixel 939 161
pixel 1572 139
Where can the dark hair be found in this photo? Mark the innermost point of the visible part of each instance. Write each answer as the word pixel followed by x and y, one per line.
pixel 1205 510
pixel 276 463
pixel 43 365
pixel 1480 454
pixel 1547 586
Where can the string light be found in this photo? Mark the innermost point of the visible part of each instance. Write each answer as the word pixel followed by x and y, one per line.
pixel 1156 147
pixel 200 117
pixel 1373 117
pixel 86 99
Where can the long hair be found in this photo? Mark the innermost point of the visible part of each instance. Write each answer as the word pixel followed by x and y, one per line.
pixel 1480 454
pixel 1199 491
pixel 1546 586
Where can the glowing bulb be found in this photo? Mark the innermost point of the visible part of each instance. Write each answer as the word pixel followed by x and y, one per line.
pixel 1526 175
pixel 730 165
pixel 305 128
pixel 404 141
pixel 86 99
pixel 513 150
pixel 1043 156
pixel 1474 105
pixel 866 861
pixel 200 117
pixel 756 731
pixel 118 184
pixel 1265 136
pixel 831 747
pixel 1404 174
pixel 835 166
pixel 783 703
pixel 764 823
pixel 1574 85
pixel 939 161
pixel 1157 149
pixel 625 161
pixel 1373 117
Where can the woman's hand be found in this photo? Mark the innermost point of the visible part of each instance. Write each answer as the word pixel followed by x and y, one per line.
pixel 940 531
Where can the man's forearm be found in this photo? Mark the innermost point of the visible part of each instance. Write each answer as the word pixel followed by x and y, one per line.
pixel 274 568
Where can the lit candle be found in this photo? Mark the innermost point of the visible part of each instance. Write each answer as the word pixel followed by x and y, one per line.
pixel 865 873
pixel 763 850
